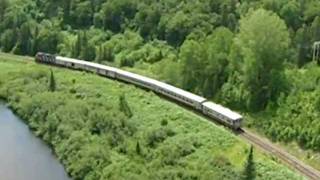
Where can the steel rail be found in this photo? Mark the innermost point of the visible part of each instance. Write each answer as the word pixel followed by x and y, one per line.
pixel 287 158
pixel 268 147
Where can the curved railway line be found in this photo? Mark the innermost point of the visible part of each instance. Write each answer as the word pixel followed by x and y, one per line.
pixel 194 102
pixel 285 157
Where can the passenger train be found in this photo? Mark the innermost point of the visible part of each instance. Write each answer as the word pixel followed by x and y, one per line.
pixel 216 111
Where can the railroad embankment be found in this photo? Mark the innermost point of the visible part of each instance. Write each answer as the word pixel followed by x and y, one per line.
pixel 103 129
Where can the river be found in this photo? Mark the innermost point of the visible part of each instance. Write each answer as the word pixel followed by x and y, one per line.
pixel 23 156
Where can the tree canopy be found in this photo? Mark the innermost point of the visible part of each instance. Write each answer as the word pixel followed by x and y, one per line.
pixel 263 43
pixel 241 54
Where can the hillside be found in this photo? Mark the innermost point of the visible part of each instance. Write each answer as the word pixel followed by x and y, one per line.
pixel 252 56
pixel 103 129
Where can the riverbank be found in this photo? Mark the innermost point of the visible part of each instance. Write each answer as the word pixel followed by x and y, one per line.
pixel 21 152
pixel 94 138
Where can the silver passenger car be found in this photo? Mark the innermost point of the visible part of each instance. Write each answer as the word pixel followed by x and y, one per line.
pixel 162 88
pixel 223 114
pixel 216 111
pixel 88 66
pixel 180 95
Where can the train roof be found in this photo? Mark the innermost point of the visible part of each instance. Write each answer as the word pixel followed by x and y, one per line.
pixel 86 63
pixel 220 109
pixel 168 87
pixel 216 107
pixel 70 60
pixel 182 92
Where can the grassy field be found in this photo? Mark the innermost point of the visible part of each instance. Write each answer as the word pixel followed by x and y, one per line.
pixel 84 121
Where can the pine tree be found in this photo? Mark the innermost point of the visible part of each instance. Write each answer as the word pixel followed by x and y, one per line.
pixel 100 54
pixel 303 43
pixel 84 46
pixel 138 148
pixel 52 82
pixel 35 41
pixel 77 46
pixel 4 4
pixel 124 106
pixel 25 39
pixel 315 29
pixel 87 50
pixel 249 171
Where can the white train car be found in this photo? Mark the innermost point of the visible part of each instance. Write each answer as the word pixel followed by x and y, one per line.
pixel 216 111
pixel 88 66
pixel 70 63
pixel 135 79
pixel 180 95
pixel 223 114
pixel 162 88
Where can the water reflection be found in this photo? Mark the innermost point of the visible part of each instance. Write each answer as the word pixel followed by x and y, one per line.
pixel 23 156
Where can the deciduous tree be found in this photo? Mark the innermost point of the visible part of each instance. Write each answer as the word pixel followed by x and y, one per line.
pixel 263 42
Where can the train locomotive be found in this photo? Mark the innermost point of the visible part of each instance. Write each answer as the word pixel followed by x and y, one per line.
pixel 213 110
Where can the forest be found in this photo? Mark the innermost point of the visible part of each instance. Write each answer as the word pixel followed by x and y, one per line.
pixel 98 130
pixel 254 56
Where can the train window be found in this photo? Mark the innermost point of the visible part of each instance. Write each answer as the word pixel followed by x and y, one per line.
pixel 72 64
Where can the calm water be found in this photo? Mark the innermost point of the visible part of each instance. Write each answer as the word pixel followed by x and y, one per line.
pixel 23 156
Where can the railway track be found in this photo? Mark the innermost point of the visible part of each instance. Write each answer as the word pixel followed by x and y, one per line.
pixel 268 147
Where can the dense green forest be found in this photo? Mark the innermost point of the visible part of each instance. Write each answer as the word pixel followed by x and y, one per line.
pixel 250 55
pixel 98 129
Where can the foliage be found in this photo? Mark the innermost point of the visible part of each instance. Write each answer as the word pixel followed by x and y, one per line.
pixel 94 139
pixel 242 54
pixel 30 26
pixel 124 106
pixel 249 171
pixel 52 82
pixel 204 64
pixel 263 41
pixel 297 115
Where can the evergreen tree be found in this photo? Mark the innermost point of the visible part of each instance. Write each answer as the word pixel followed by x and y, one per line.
pixel 77 46
pixel 315 29
pixel 4 4
pixel 124 106
pixel 84 46
pixel 249 172
pixel 100 54
pixel 52 82
pixel 25 39
pixel 138 148
pixel 303 45
pixel 87 49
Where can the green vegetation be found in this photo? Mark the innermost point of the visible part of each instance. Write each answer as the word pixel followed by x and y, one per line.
pixel 262 43
pixel 249 170
pixel 252 56
pixel 297 117
pixel 52 82
pixel 85 121
pixel 124 107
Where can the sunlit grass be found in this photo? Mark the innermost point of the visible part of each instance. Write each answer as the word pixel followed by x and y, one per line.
pixel 207 146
